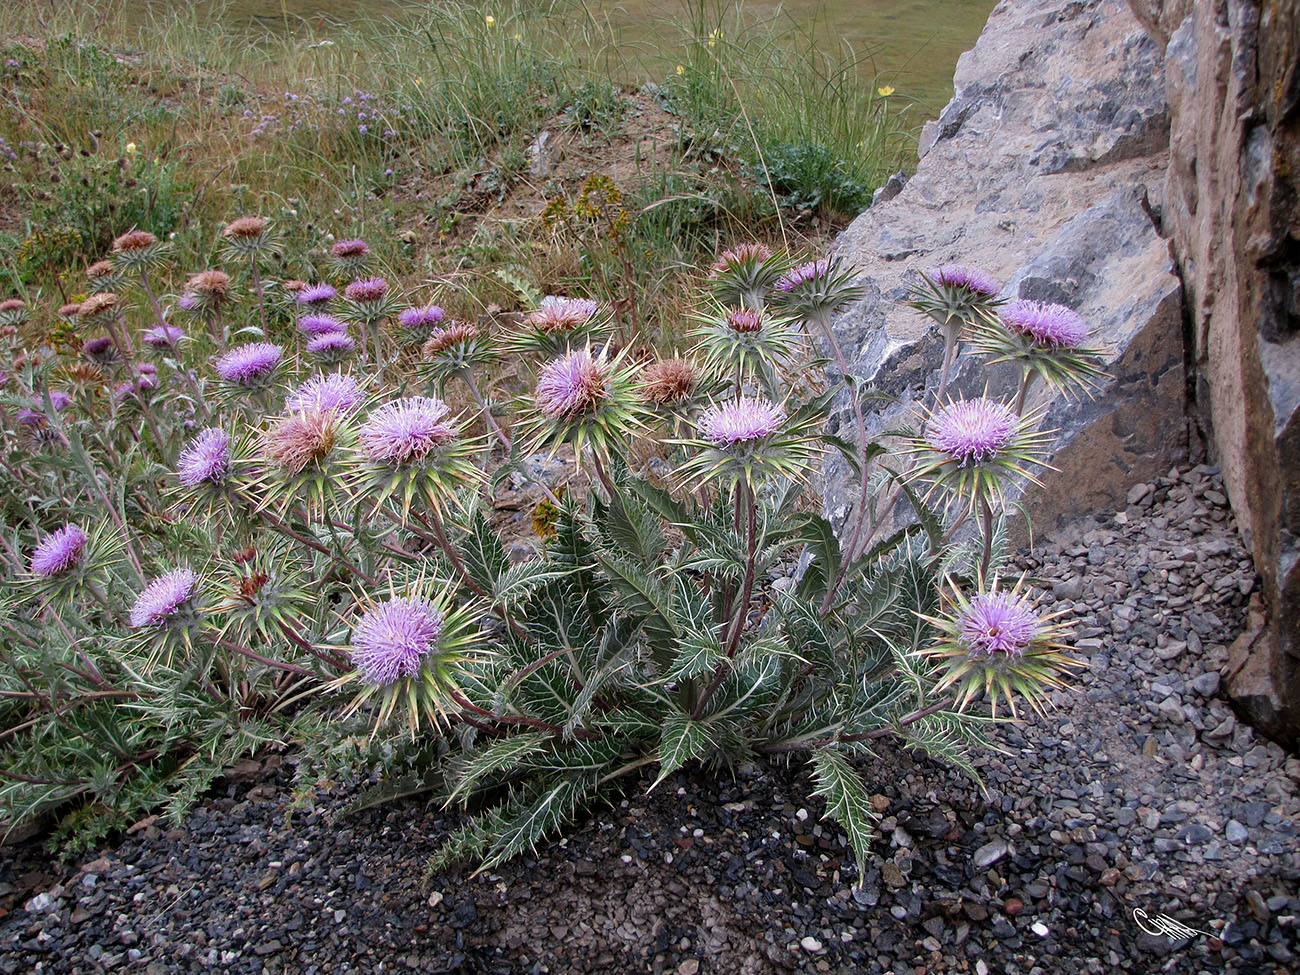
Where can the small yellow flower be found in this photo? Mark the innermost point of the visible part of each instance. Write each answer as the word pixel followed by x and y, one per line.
pixel 713 37
pixel 681 69
pixel 419 81
pixel 884 91
pixel 519 37
pixel 130 148
pixel 490 20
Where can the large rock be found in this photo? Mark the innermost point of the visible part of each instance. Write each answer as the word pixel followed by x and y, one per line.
pixel 1045 169
pixel 1233 213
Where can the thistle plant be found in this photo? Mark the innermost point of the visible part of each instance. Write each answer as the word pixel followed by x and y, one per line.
pixel 1045 340
pixel 302 548
pixel 955 296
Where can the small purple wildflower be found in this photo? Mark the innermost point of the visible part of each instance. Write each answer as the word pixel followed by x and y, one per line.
pixel 163 597
pixel 572 384
pixel 206 459
pixel 391 640
pixel 741 421
pixel 350 248
pixel 331 345
pixel 162 336
pixel 97 346
pixel 247 365
pixel 801 275
pixel 314 325
pixel 189 302
pixel 367 290
pixel 971 431
pixel 334 392
pixel 317 294
pixel 558 314
pixel 60 399
pixel 997 623
pixel 407 430
pixel 1055 326
pixel 421 318
pixel 29 417
pixel 963 276
pixel 59 551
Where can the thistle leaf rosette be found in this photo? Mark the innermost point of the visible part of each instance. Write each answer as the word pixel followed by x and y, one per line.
pixel 584 400
pixel 971 447
pixel 410 648
pixel 750 440
pixel 412 449
pixel 954 295
pixel 746 342
pixel 742 276
pixel 995 645
pixel 1047 340
pixel 558 326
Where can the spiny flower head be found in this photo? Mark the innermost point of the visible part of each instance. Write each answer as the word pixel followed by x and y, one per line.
pixel 102 306
pixel 100 350
pixel 59 551
pixel 1053 326
pixel 13 312
pixel 734 257
pixel 213 285
pixel 741 421
pixel 367 291
pixel 104 276
pixel 68 312
pixel 292 286
pixel 558 314
pixel 332 346
pixel 745 320
pixel 163 599
pixel 206 460
pixel 419 321
pixel 336 392
pixel 997 623
pixel 136 250
pixel 162 336
pixel 407 430
pixel 350 248
pixel 669 381
pixel 316 295
pixel 441 339
pixel 301 438
pixel 134 240
pixel 246 236
pixel 392 639
pixel 314 325
pixel 802 274
pixel 249 365
pixel 996 644
pixel 816 288
pixel 965 276
pixel 971 431
pixel 573 384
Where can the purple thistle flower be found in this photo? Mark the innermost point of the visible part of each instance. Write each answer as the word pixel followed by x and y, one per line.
pixel 407 430
pixel 314 325
pixel 163 597
pixel 350 248
pixel 743 420
pixel 559 314
pixel 29 417
pixel 316 294
pixel 206 459
pixel 963 276
pixel 391 640
pixel 335 392
pixel 123 390
pixel 572 384
pixel 1055 326
pixel 59 399
pixel 189 301
pixel 971 431
pixel 331 345
pixel 162 336
pixel 421 318
pixel 809 271
pixel 247 365
pixel 997 623
pixel 97 346
pixel 59 551
pixel 367 290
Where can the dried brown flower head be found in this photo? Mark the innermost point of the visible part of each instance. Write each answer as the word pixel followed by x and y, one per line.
pixel 245 228
pixel 213 285
pixel 669 381
pixel 134 240
pixel 101 269
pixel 293 286
pixel 99 305
pixel 299 439
pixel 12 304
pixel 444 338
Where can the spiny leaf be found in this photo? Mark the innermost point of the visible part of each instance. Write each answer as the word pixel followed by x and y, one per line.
pixel 847 801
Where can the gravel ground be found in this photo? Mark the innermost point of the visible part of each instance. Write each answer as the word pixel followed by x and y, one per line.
pixel 1140 791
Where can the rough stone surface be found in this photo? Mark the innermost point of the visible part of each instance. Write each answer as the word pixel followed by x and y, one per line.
pixel 1044 174
pixel 1233 214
